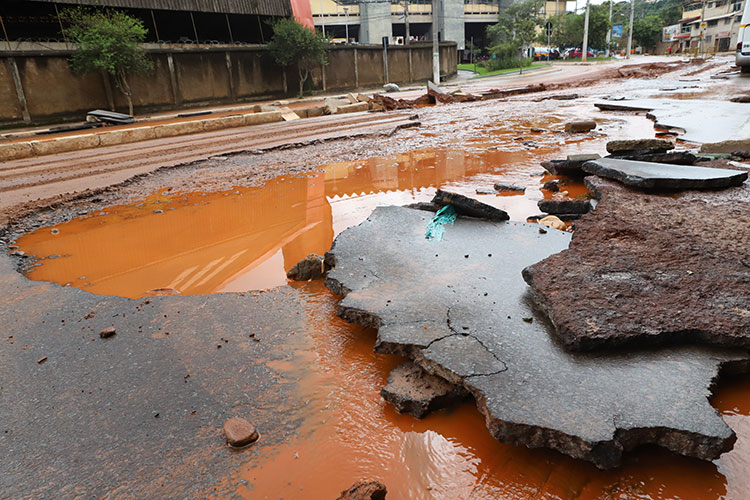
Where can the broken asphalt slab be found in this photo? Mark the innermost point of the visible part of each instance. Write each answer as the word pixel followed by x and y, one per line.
pixel 412 390
pixel 664 175
pixel 647 269
pixel 460 309
pixel 703 121
pixel 107 417
pixel 463 205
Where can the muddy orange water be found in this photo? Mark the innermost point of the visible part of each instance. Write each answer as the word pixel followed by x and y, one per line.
pixel 247 238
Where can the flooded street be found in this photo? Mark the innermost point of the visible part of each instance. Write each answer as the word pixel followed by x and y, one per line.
pixel 237 224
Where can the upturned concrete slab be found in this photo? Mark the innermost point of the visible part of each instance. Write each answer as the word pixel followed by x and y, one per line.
pixel 648 269
pixel 664 175
pixel 460 309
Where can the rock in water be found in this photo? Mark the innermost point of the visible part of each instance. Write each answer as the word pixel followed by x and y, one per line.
pixel 510 188
pixel 579 127
pixel 553 185
pixel 414 391
pixel 239 432
pixel 553 222
pixel 556 206
pixel 639 146
pixel 461 311
pixel 361 490
pixel 311 267
pixel 463 205
pixel 571 167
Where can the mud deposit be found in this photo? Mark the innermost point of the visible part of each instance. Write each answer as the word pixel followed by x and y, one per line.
pixel 230 235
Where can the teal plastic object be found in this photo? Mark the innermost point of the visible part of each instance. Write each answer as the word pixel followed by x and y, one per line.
pixel 436 227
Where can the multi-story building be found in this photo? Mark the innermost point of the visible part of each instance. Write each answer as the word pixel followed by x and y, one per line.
pixel 707 26
pixel 368 21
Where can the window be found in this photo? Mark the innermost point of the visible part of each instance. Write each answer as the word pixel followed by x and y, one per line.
pixel 738 19
pixel 728 20
pixel 722 3
pixel 736 6
pixel 708 38
pixel 715 22
pixel 686 29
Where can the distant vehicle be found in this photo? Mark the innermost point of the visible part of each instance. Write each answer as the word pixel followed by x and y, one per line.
pixel 540 53
pixel 743 41
pixel 579 53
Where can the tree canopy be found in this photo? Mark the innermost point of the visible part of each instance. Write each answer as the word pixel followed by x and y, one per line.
pixel 647 30
pixel 294 44
pixel 567 28
pixel 109 41
pixel 516 27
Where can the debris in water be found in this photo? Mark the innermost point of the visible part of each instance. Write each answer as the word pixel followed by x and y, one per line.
pixel 469 207
pixel 416 392
pixel 435 228
pixel 361 490
pixel 311 267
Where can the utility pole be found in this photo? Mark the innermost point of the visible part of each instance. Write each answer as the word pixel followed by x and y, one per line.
pixel 322 19
pixel 702 25
pixel 346 23
pixel 406 22
pixel 609 31
pixel 585 34
pixel 630 30
pixel 435 45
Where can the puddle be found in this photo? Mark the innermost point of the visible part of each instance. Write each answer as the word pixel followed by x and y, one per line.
pixel 247 238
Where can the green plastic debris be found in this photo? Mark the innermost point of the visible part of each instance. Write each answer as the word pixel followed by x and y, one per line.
pixel 435 228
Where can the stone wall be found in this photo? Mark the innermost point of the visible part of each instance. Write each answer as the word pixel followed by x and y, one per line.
pixel 38 86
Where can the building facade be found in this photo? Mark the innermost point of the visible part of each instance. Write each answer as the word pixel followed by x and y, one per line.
pixel 706 27
pixel 368 21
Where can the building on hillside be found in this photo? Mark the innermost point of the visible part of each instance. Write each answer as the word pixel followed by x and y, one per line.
pixel 715 23
pixel 167 21
pixel 368 21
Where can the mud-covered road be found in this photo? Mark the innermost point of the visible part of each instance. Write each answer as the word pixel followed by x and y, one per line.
pixel 139 415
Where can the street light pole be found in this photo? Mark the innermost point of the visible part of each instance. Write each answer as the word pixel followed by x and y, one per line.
pixel 609 31
pixel 435 45
pixel 322 19
pixel 406 22
pixel 585 34
pixel 630 30
pixel 346 23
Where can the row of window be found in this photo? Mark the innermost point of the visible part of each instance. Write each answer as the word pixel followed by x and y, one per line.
pixel 710 5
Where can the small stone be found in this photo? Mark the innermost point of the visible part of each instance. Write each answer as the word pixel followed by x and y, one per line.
pixel 553 186
pixel 361 490
pixel 107 332
pixel 581 126
pixel 542 230
pixel 54 231
pixel 553 222
pixel 485 191
pixel 391 87
pixel 510 188
pixel 239 432
pixel 311 267
pixel 159 211
pixel 41 360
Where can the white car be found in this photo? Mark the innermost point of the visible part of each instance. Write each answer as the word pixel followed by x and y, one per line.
pixel 743 41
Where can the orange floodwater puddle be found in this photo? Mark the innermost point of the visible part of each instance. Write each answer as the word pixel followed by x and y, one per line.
pixel 247 238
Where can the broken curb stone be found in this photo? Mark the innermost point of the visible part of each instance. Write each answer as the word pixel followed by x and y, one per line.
pixel 676 276
pixel 311 267
pixel 531 391
pixel 239 432
pixel 412 390
pixel 674 158
pixel 663 175
pixel 556 206
pixel 571 167
pixel 580 127
pixel 469 206
pixel 364 490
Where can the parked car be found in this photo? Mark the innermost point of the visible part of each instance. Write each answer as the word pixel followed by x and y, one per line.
pixel 540 53
pixel 578 52
pixel 743 41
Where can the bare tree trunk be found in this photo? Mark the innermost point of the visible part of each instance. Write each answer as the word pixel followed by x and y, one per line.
pixel 302 79
pixel 122 84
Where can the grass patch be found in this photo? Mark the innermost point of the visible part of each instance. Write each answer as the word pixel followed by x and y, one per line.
pixel 482 71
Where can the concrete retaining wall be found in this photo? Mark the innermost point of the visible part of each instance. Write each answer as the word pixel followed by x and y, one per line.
pixel 46 90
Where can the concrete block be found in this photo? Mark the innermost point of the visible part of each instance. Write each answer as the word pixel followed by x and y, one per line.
pixel 180 128
pixel 352 108
pixel 260 118
pixel 264 108
pixel 223 122
pixel 315 111
pixel 288 115
pixel 65 144
pixel 15 151
pixel 726 146
pixel 126 136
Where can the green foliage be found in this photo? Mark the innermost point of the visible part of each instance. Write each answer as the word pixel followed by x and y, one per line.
pixel 293 44
pixel 516 27
pixel 107 40
pixel 567 28
pixel 647 31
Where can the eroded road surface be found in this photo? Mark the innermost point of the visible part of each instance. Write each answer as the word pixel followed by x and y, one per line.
pixel 139 414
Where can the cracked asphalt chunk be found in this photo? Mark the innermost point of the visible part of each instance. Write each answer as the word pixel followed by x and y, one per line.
pixel 450 315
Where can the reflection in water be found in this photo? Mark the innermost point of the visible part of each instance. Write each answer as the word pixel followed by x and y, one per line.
pixel 247 239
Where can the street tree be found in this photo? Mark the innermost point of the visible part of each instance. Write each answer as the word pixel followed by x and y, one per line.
pixel 109 41
pixel 567 28
pixel 647 31
pixel 515 29
pixel 294 44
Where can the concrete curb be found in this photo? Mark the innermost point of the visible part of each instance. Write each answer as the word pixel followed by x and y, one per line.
pixel 32 148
